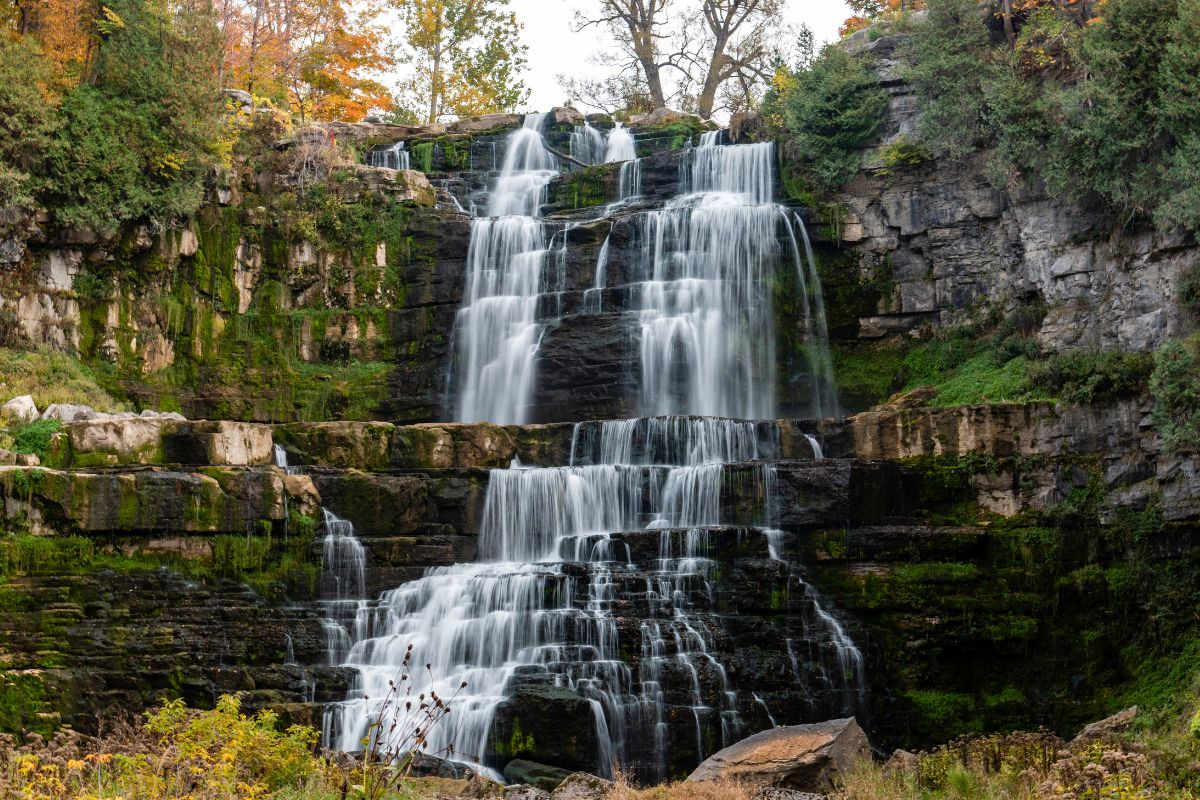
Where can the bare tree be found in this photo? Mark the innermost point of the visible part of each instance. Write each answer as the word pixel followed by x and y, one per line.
pixel 638 27
pixel 735 49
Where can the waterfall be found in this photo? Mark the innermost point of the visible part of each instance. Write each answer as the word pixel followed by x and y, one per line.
pixel 394 157
pixel 620 145
pixel 497 331
pixel 600 576
pixel 522 607
pixel 587 144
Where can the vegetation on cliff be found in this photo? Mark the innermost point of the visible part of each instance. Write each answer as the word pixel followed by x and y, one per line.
pixel 1096 101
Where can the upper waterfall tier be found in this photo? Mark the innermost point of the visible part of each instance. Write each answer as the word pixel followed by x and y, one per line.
pixel 685 310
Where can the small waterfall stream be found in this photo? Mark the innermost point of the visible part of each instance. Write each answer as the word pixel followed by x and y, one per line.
pixel 629 529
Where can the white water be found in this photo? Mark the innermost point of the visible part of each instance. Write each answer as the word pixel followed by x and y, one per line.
pixel 555 567
pixel 620 146
pixel 394 157
pixel 497 328
pixel 587 144
pixel 519 607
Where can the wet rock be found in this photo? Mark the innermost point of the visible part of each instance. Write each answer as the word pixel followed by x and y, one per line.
pixel 443 446
pixel 19 409
pixel 803 757
pixel 424 765
pixel 582 786
pixel 549 725
pixel 532 773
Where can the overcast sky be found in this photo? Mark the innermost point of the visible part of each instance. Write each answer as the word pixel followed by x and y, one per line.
pixel 554 49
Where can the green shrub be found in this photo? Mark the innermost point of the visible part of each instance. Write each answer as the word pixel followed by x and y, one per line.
pixel 27 119
pixel 1175 386
pixel 903 153
pixel 950 69
pixel 138 140
pixel 1086 376
pixel 1106 112
pixel 34 438
pixel 825 111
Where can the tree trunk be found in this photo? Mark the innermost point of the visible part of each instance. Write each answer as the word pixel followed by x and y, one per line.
pixel 1009 33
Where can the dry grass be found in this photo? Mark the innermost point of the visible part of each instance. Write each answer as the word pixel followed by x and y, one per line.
pixel 51 377
pixel 622 789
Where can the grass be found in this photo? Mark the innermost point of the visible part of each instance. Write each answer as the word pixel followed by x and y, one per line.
pixel 999 361
pixel 52 377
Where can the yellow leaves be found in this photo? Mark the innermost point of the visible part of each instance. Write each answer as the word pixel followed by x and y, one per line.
pixel 110 22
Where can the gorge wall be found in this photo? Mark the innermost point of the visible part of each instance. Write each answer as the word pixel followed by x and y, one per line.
pixel 965 550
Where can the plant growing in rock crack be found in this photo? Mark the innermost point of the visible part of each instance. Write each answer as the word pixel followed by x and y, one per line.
pixel 400 731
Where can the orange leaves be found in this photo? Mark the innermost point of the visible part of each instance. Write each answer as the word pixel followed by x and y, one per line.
pixel 868 12
pixel 317 57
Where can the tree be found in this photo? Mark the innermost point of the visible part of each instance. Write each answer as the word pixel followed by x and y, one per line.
pixel 139 138
pixel 737 45
pixel 465 55
pixel 637 27
pixel 316 57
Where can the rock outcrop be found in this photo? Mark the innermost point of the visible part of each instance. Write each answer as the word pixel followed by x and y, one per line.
pixel 950 241
pixel 803 757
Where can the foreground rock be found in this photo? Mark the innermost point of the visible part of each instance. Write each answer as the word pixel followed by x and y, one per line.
pixel 19 409
pixel 802 757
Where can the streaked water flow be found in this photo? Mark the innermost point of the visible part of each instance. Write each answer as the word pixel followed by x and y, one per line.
pixel 497 330
pixel 630 528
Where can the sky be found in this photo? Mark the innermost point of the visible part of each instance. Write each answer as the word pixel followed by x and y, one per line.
pixel 554 49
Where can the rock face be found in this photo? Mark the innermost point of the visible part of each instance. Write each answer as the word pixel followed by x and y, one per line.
pixel 949 240
pixel 805 757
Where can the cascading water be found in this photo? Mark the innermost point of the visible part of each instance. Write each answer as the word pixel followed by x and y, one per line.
pixel 497 328
pixel 628 529
pixel 620 145
pixel 521 610
pixel 394 157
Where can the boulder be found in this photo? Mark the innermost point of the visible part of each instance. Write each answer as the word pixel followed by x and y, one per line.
pixel 68 412
pixel 223 443
pixel 424 765
pixel 19 409
pixel 802 757
pixel 1099 730
pixel 534 774
pixel 565 115
pixel 582 786
pixel 115 440
pixel 7 458
pixel 28 460
pixel 549 725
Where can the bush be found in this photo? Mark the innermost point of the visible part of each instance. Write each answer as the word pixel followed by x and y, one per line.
pixel 26 119
pixel 138 141
pixel 1175 385
pixel 950 69
pixel 1086 376
pixel 34 438
pixel 1105 112
pixel 825 111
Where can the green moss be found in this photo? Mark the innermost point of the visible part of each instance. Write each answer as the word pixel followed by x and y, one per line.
pixel 25 704
pixel 422 156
